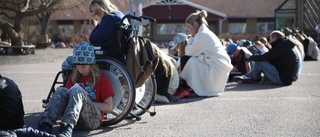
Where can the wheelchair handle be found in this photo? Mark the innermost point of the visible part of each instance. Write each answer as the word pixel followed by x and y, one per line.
pixel 131 17
pixel 148 18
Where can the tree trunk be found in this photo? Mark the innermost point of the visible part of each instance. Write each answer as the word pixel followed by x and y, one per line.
pixel 16 40
pixel 44 26
pixel 13 35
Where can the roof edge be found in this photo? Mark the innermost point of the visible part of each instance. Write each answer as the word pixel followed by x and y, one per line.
pixel 181 2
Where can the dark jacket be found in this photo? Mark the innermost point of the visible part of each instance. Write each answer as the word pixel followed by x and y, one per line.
pixel 103 34
pixel 283 57
pixel 11 106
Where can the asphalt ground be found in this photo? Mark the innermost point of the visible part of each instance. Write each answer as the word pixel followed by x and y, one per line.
pixel 257 110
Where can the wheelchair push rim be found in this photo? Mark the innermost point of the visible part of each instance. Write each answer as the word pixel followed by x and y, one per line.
pixel 126 103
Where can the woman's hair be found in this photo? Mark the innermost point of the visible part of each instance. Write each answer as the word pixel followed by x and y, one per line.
pixel 181 48
pixel 199 17
pixel 105 5
pixel 263 40
pixel 94 75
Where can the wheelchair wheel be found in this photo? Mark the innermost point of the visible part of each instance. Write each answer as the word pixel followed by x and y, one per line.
pixel 144 98
pixel 127 86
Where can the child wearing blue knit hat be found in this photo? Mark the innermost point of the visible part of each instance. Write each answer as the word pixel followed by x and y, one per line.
pixel 83 54
pixel 85 98
pixel 238 60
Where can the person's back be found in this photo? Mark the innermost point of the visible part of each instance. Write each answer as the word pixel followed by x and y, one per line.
pixel 11 108
pixel 313 50
pixel 284 58
pixel 106 16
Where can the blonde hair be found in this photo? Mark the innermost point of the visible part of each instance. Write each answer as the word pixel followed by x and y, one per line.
pixel 181 48
pixel 259 43
pixel 94 75
pixel 199 17
pixel 105 5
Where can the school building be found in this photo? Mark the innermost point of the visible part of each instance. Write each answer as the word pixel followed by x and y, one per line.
pixel 226 18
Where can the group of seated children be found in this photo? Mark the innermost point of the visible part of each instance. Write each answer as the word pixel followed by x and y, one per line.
pixel 277 59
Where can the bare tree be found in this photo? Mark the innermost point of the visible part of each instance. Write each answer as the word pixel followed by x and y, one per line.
pixel 12 12
pixel 45 16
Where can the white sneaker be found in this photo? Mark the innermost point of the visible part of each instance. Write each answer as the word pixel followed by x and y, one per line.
pixel 243 79
pixel 161 99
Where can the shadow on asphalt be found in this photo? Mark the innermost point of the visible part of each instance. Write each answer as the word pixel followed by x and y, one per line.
pixel 32 119
pixel 233 86
pixel 230 87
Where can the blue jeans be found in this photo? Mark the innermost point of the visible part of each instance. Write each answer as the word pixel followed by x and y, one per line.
pixel 268 69
pixel 299 66
pixel 74 108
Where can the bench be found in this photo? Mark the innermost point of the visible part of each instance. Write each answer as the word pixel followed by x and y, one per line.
pixel 26 49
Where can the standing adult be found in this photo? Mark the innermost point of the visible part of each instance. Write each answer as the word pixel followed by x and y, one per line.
pixel 206 66
pixel 280 64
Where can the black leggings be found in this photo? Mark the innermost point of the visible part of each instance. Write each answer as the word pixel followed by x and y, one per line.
pixel 162 80
pixel 183 61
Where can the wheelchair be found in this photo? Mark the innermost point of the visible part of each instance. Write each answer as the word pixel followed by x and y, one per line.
pixel 128 101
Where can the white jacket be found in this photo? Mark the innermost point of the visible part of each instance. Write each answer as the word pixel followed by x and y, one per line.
pixel 207 71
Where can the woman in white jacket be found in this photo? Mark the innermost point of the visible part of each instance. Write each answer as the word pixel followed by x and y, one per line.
pixel 207 68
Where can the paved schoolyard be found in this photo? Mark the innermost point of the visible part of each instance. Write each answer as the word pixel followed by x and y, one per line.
pixel 243 110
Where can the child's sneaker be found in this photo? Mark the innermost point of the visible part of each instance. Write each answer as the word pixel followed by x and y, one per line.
pixel 183 93
pixel 173 98
pixel 243 79
pixel 161 99
pixel 65 130
pixel 45 127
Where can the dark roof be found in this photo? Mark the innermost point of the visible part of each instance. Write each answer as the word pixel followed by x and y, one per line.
pixel 229 8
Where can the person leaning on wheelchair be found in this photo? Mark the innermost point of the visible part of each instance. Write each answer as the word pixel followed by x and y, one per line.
pixel 105 15
pixel 85 98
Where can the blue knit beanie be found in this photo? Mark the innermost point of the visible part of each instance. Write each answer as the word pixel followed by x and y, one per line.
pixel 231 48
pixel 83 54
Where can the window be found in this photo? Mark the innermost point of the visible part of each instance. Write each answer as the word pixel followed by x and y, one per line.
pixel 66 29
pixel 171 28
pixel 236 28
pixel 265 27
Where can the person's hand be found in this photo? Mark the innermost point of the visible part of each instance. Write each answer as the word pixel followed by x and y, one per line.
pixel 247 55
pixel 95 22
pixel 193 28
pixel 179 69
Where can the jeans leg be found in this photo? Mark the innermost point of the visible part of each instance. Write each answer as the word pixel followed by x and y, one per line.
pixel 255 71
pixel 74 106
pixel 268 69
pixel 55 106
pixel 299 68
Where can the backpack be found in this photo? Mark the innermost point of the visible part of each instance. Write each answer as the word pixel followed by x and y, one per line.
pixel 142 59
